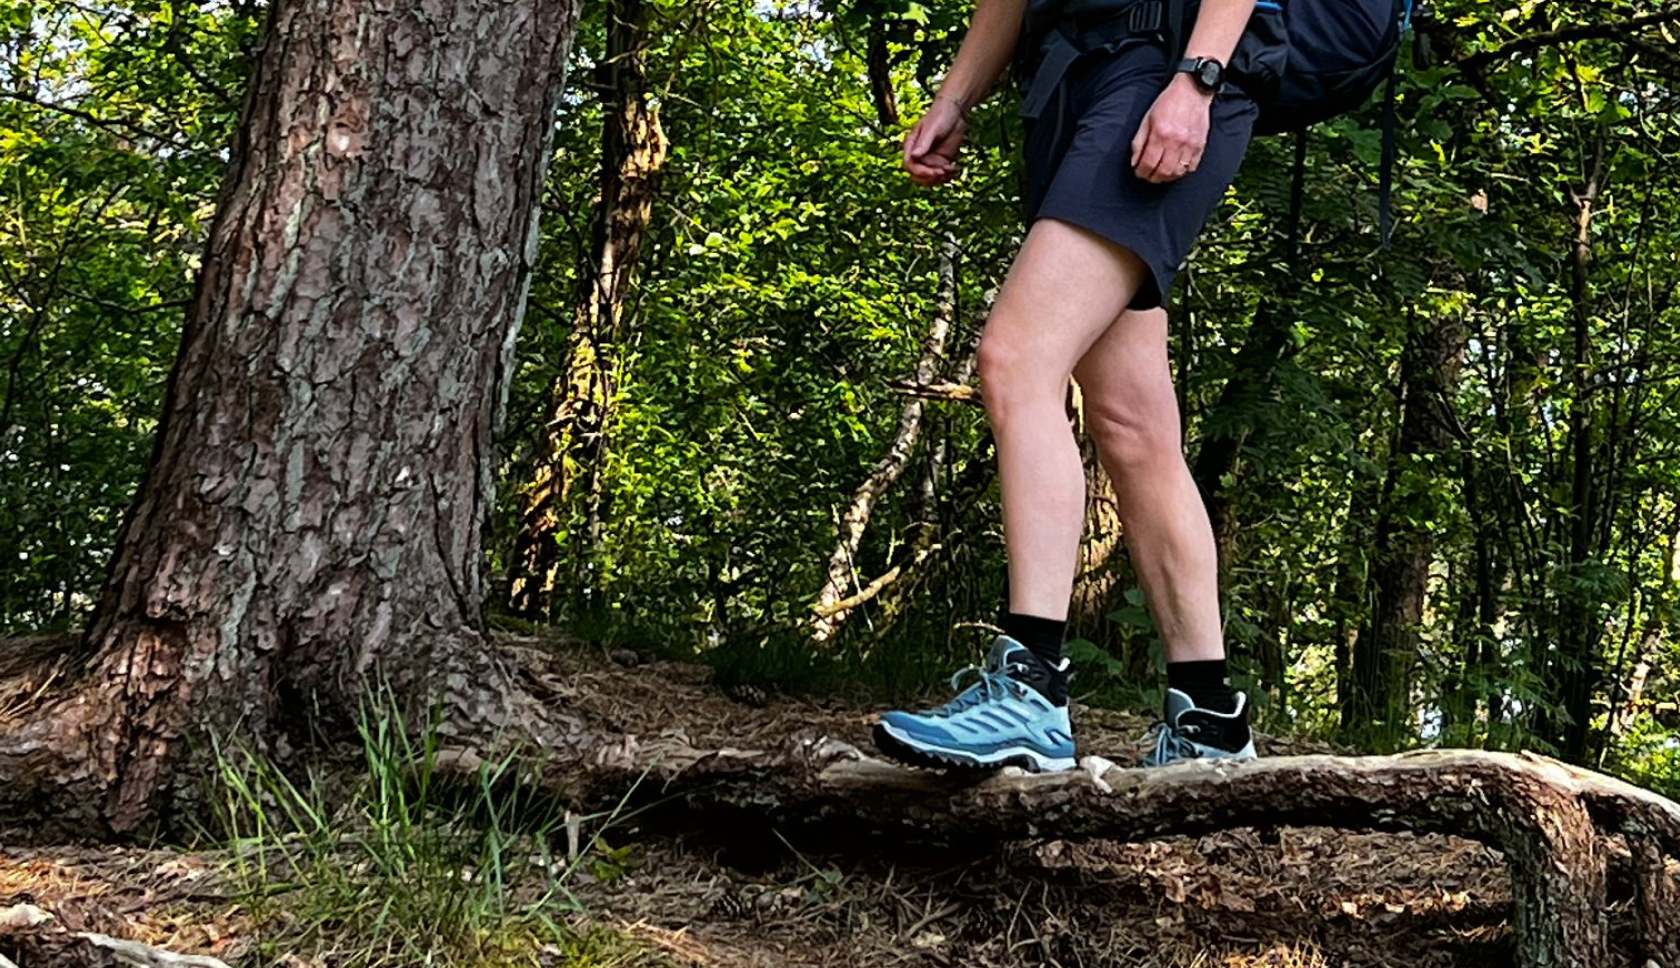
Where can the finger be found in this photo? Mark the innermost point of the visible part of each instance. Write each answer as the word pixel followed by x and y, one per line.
pixel 1154 160
pixel 919 138
pixel 950 143
pixel 1175 166
pixel 923 174
pixel 1140 141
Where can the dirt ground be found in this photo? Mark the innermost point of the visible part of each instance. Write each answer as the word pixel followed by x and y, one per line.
pixel 1293 898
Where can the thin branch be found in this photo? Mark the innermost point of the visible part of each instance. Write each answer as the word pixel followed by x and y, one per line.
pixel 1564 35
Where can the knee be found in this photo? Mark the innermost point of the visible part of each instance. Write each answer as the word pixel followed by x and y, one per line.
pixel 1014 374
pixel 1133 432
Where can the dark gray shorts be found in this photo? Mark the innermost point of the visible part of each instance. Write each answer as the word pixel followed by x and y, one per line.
pixel 1079 162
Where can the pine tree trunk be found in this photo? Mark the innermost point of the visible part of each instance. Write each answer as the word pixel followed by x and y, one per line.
pixel 1386 656
pixel 633 153
pixel 313 514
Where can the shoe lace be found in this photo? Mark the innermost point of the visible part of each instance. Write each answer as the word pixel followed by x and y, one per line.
pixel 1173 743
pixel 992 685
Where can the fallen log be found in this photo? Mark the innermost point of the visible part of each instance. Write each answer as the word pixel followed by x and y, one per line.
pixel 1551 821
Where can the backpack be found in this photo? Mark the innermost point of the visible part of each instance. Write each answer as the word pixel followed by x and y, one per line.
pixel 1307 61
pixel 1335 54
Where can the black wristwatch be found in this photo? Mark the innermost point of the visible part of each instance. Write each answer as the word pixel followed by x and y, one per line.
pixel 1208 72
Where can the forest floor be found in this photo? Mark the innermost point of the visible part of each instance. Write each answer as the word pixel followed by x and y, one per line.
pixel 733 898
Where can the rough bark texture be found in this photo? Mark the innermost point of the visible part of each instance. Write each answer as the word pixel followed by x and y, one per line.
pixel 1658 900
pixel 313 513
pixel 633 153
pixel 1386 655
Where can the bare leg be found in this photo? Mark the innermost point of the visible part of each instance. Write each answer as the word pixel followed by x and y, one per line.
pixel 1132 414
pixel 1065 288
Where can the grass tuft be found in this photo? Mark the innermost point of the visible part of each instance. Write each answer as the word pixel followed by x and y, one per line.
pixel 390 868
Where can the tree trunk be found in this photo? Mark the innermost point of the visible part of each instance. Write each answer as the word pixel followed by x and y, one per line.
pixel 1351 596
pixel 633 153
pixel 1099 586
pixel 313 515
pixel 1575 672
pixel 1386 656
pixel 1552 822
pixel 879 60
pixel 1250 382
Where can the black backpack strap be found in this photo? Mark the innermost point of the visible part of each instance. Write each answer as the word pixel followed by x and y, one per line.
pixel 1385 193
pixel 1067 43
pixel 1297 193
pixel 1178 33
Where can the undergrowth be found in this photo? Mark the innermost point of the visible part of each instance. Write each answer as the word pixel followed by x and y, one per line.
pixel 392 866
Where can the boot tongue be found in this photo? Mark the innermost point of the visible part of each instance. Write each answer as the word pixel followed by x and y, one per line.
pixel 1178 703
pixel 1003 652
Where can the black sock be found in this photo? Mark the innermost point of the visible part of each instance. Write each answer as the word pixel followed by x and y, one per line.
pixel 1043 636
pixel 1204 682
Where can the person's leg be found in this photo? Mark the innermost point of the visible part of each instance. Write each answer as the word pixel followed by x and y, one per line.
pixel 1065 288
pixel 1132 414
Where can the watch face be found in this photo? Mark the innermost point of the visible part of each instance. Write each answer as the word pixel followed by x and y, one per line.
pixel 1210 74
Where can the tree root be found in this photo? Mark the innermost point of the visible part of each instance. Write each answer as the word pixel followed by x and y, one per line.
pixel 1552 822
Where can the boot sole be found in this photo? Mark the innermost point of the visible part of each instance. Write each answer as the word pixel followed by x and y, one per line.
pixel 906 751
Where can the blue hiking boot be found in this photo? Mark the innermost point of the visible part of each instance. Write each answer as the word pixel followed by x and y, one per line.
pixel 1188 732
pixel 1003 719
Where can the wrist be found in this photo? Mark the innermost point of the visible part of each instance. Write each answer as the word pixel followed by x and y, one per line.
pixel 1186 82
pixel 1207 74
pixel 964 107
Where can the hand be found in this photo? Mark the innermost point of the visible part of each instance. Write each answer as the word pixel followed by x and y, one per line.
pixel 930 149
pixel 1173 135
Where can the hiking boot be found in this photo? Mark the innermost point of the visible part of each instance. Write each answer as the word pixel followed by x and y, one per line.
pixel 1189 732
pixel 1008 717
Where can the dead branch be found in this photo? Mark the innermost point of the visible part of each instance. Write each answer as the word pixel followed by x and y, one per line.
pixel 948 392
pixel 833 606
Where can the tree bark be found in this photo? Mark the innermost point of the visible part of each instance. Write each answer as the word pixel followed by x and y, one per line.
pixel 1386 656
pixel 633 154
pixel 1575 669
pixel 879 60
pixel 312 518
pixel 1550 820
pixel 1251 381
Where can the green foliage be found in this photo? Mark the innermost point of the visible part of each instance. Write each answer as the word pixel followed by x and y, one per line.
pixel 789 279
pixel 399 866
pixel 113 122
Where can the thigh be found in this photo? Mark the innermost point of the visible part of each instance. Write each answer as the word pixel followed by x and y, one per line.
pixel 1065 288
pixel 1126 374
